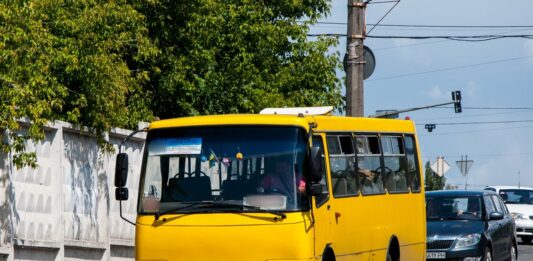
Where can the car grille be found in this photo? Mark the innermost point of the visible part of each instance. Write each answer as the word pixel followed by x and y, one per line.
pixel 439 244
pixel 529 230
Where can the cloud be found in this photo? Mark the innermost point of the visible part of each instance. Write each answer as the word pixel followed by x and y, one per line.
pixel 435 93
pixel 528 49
pixel 471 88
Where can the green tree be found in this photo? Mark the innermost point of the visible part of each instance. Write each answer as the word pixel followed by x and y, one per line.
pixel 432 180
pixel 70 60
pixel 102 64
pixel 238 56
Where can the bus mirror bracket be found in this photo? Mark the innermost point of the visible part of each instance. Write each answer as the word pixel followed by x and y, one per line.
pixel 317 189
pixel 316 165
pixel 121 174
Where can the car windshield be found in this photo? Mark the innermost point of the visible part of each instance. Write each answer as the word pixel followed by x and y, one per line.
pixel 228 169
pixel 517 196
pixel 453 208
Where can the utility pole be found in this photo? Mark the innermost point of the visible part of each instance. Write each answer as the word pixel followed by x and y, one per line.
pixel 355 50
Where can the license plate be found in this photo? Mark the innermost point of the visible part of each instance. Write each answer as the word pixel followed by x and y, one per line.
pixel 435 255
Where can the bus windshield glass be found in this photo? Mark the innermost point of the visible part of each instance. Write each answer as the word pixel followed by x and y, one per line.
pixel 223 169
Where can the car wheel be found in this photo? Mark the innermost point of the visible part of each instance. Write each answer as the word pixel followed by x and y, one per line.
pixel 488 254
pixel 513 252
pixel 527 239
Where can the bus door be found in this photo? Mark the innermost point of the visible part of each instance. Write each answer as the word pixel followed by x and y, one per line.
pixel 322 211
pixel 347 215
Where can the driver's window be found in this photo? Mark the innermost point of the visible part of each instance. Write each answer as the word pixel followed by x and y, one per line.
pixel 322 198
pixel 342 165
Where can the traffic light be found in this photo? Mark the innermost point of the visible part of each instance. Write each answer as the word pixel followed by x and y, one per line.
pixel 456 97
pixel 430 127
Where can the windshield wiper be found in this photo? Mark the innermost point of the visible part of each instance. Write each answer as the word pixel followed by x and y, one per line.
pixel 220 204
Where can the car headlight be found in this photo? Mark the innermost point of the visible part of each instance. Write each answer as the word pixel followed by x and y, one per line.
pixel 519 216
pixel 468 240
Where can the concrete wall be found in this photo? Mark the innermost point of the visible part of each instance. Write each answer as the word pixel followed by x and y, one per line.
pixel 66 209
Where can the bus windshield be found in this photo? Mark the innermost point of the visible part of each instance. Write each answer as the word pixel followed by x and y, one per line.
pixel 223 169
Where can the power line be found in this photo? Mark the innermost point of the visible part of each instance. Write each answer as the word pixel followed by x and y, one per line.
pixel 491 108
pixel 489 155
pixel 476 122
pixel 383 17
pixel 465 38
pixel 474 115
pixel 473 131
pixel 449 68
pixel 434 26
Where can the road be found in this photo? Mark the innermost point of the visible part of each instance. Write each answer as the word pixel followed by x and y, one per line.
pixel 525 252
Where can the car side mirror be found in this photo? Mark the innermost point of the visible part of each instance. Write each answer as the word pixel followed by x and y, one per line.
pixel 121 170
pixel 496 216
pixel 317 168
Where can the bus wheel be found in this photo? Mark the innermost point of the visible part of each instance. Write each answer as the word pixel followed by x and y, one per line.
pixel 394 250
pixel 328 255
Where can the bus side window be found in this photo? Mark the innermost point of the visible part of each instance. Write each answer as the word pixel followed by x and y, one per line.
pixel 317 142
pixel 395 174
pixel 342 165
pixel 413 173
pixel 369 165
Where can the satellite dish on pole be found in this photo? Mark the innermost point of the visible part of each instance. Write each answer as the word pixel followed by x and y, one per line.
pixel 370 62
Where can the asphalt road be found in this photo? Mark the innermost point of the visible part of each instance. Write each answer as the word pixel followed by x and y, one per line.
pixel 525 252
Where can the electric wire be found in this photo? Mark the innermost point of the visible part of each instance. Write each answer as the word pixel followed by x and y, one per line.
pixel 489 108
pixel 434 133
pixel 474 122
pixel 464 38
pixel 383 17
pixel 449 68
pixel 433 26
pixel 474 115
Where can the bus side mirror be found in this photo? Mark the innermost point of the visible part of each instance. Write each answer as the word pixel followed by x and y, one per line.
pixel 121 170
pixel 121 194
pixel 317 168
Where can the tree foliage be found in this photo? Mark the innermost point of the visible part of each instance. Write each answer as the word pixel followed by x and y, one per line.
pixel 104 64
pixel 238 56
pixel 70 60
pixel 432 180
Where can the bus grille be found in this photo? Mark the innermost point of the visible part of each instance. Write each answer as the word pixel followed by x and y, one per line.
pixel 440 244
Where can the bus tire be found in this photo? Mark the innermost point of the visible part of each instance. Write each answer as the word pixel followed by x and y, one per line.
pixel 393 252
pixel 328 254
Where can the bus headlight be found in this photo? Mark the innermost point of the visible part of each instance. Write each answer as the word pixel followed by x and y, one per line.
pixel 468 240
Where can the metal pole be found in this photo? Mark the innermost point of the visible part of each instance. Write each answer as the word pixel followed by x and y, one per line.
pixel 466 173
pixel 354 68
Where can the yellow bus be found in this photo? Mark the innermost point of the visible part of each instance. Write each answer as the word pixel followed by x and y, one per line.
pixel 279 187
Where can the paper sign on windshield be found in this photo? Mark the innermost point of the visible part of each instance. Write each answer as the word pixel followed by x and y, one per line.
pixel 175 146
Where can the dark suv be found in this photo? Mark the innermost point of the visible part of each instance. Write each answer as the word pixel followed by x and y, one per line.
pixel 468 226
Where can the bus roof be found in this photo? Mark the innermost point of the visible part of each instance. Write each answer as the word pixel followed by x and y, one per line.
pixel 323 123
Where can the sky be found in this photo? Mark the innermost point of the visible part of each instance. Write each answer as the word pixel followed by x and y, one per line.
pixel 489 74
